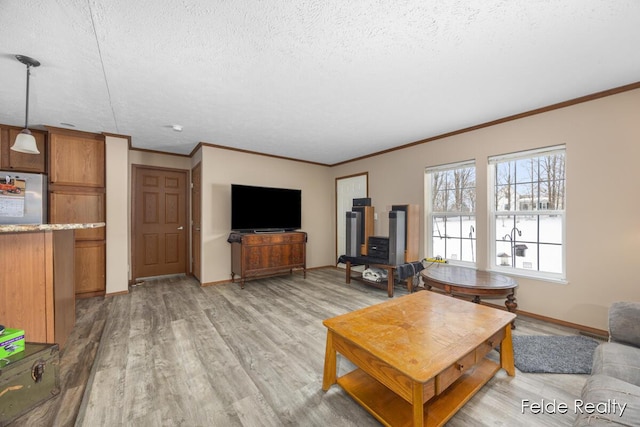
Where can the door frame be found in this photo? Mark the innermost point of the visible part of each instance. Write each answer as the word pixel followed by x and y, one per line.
pixel 335 203
pixel 134 168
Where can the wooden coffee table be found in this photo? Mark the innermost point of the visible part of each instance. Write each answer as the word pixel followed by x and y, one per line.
pixel 420 357
pixel 455 280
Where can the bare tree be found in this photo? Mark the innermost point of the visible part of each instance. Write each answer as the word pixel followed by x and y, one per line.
pixel 463 179
pixel 455 187
pixel 438 196
pixel 505 180
pixel 553 170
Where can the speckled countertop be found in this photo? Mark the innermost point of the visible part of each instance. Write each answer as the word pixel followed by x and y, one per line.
pixel 23 228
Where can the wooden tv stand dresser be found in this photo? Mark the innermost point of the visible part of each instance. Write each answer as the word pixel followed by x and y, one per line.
pixel 262 254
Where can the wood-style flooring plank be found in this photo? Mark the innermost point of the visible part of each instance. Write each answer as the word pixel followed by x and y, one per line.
pixel 174 353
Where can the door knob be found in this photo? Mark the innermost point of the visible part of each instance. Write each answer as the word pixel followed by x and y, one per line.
pixel 181 228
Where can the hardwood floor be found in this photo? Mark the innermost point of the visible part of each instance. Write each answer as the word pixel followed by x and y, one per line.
pixel 173 353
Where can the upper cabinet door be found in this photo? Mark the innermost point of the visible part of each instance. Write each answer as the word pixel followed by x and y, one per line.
pixel 76 160
pixel 13 160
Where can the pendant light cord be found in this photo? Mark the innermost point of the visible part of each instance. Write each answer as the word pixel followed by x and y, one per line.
pixel 26 114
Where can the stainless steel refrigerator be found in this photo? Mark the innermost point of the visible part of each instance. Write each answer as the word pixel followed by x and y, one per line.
pixel 23 198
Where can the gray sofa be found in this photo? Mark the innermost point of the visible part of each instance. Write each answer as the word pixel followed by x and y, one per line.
pixel 615 375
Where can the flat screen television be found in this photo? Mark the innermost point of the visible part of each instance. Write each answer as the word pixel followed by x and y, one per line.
pixel 265 208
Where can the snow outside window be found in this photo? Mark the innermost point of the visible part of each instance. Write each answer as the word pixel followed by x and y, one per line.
pixel 451 208
pixel 527 192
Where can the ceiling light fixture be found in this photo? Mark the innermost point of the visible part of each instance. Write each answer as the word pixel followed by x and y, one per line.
pixel 25 142
pixel 177 128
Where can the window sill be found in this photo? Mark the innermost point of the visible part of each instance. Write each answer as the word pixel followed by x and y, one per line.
pixel 516 273
pixel 459 263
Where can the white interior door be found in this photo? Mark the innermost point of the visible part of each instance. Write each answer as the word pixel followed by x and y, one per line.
pixel 347 189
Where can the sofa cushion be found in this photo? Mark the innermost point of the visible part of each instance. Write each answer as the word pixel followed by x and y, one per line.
pixel 609 396
pixel 624 322
pixel 618 361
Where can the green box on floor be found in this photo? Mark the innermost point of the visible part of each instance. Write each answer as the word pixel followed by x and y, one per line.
pixel 11 342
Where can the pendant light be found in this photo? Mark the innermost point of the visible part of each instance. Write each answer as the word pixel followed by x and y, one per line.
pixel 25 142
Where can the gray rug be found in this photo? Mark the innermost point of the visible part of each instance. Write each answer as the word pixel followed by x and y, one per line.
pixel 554 354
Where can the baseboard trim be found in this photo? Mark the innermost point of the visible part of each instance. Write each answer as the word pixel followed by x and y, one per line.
pixel 113 294
pixel 219 282
pixel 585 330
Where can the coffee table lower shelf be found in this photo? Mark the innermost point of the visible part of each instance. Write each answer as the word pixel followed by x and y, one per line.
pixel 392 410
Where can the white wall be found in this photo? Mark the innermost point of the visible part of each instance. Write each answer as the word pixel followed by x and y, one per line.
pixel 161 160
pixel 117 197
pixel 221 168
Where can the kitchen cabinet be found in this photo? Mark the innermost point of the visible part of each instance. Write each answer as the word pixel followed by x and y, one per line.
pixel 76 159
pixel 90 272
pixel 37 292
pixel 78 207
pixel 21 162
pixel 77 195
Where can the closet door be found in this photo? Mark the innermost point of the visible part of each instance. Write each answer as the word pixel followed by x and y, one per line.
pixel 347 189
pixel 160 221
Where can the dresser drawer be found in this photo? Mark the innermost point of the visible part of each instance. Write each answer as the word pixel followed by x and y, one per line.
pixel 272 239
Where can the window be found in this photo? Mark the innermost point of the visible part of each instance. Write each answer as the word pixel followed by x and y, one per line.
pixel 451 207
pixel 528 212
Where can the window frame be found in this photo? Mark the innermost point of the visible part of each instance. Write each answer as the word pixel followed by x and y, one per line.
pixel 494 214
pixel 429 212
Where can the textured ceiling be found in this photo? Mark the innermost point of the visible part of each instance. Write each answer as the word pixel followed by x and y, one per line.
pixel 324 81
